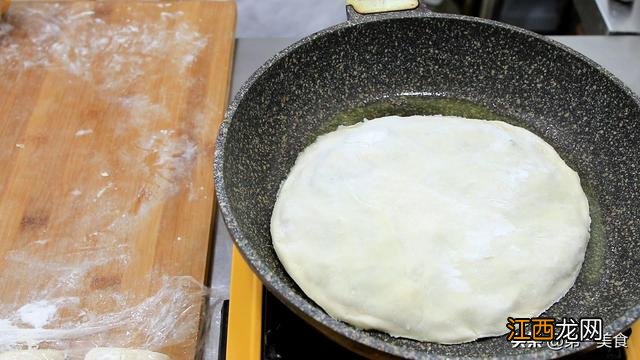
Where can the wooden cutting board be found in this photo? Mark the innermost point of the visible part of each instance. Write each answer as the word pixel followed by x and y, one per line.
pixel 108 118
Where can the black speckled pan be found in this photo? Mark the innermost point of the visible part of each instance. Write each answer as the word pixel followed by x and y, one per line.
pixel 416 62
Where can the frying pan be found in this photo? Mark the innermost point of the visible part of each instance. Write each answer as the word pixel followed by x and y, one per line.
pixel 418 62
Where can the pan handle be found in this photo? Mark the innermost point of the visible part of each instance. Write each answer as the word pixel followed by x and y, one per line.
pixel 359 9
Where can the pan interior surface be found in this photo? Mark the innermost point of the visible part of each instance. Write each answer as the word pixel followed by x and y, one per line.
pixel 396 65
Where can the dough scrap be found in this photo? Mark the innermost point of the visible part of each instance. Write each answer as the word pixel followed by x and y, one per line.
pixel 33 354
pixel 107 353
pixel 434 228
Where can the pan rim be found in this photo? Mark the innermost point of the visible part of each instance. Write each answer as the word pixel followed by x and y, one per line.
pixel 293 300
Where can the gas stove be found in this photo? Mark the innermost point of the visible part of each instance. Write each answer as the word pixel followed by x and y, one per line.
pixel 259 326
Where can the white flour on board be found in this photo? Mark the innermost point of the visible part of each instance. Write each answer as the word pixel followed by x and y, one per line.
pixel 39 313
pixel 83 132
pixel 74 39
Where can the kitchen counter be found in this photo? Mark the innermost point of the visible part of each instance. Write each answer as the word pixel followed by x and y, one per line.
pixel 618 54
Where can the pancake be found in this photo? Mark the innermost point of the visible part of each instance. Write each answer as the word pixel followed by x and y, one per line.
pixel 434 228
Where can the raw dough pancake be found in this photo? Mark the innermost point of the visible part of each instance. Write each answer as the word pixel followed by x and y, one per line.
pixel 434 228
